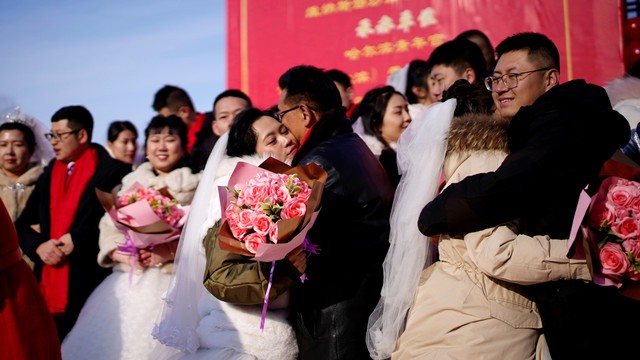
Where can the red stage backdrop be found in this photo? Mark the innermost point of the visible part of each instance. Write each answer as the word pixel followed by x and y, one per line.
pixel 369 39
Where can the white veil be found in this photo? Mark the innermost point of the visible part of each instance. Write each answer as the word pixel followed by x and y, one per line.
pixel 398 79
pixel 43 152
pixel 421 150
pixel 178 321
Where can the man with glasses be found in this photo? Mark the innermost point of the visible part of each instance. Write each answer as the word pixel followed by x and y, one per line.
pixel 65 206
pixel 329 311
pixel 559 137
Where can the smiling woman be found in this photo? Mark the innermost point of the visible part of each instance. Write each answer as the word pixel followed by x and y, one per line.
pixel 122 310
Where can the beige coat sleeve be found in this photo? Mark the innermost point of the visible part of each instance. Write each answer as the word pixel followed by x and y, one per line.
pixel 501 253
pixel 109 240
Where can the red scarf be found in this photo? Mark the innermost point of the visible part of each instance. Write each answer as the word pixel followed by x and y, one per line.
pixel 65 198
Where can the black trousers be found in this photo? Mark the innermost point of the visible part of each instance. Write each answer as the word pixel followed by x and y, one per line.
pixel 582 320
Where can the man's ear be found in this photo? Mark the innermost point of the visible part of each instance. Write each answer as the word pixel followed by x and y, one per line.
pixel 552 79
pixel 83 136
pixel 308 115
pixel 469 75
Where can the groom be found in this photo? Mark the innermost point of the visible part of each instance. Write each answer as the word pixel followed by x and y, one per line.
pixel 331 309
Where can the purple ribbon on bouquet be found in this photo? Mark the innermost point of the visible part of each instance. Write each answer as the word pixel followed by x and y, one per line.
pixel 130 249
pixel 306 246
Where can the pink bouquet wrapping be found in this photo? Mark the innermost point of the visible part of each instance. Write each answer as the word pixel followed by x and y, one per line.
pixel 606 229
pixel 268 210
pixel 146 216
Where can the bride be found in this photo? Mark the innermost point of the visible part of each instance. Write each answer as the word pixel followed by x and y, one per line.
pixel 193 324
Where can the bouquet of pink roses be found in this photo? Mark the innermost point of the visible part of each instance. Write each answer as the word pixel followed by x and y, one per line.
pixel 609 233
pixel 268 210
pixel 146 216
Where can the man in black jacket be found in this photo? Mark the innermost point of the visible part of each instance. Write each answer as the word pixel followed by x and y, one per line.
pixel 65 206
pixel 330 310
pixel 559 138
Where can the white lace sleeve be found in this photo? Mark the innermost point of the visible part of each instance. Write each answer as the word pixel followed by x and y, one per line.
pixel 421 151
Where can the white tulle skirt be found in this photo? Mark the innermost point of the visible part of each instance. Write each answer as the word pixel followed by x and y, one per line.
pixel 117 319
pixel 232 332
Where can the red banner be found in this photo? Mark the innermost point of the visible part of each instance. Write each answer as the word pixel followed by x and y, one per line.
pixel 369 39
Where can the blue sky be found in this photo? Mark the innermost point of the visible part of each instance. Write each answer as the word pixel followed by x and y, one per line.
pixel 110 56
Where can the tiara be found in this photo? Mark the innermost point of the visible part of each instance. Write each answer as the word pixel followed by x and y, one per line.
pixel 15 117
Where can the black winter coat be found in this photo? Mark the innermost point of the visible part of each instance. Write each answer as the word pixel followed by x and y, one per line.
pixel 84 272
pixel 332 307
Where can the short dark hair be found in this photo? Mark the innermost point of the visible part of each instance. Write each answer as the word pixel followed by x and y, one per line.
pixel 26 131
pixel 460 54
pixel 242 136
pixel 118 126
pixel 231 93
pixel 171 97
pixel 540 49
pixel 417 74
pixel 306 83
pixel 340 77
pixel 373 107
pixel 474 32
pixel 78 116
pixel 173 122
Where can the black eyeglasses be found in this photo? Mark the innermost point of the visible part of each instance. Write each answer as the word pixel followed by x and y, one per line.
pixel 510 81
pixel 280 115
pixel 59 136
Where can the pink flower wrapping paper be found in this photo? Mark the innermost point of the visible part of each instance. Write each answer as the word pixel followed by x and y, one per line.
pixel 606 227
pixel 290 228
pixel 141 222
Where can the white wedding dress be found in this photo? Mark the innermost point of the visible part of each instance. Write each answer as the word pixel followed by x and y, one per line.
pixel 193 324
pixel 99 334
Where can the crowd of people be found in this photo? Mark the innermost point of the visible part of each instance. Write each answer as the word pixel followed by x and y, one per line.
pixel 445 216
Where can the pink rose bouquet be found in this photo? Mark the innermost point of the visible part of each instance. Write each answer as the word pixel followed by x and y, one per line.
pixel 146 216
pixel 609 233
pixel 268 210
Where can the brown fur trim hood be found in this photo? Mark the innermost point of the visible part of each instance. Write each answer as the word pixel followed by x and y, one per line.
pixel 472 132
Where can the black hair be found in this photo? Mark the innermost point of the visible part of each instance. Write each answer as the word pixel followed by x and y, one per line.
pixel 309 84
pixel 340 77
pixel 471 98
pixel 417 75
pixel 540 49
pixel 171 97
pixel 118 126
pixel 176 127
pixel 26 131
pixel 373 107
pixel 231 93
pixel 486 47
pixel 78 118
pixel 460 54
pixel 242 136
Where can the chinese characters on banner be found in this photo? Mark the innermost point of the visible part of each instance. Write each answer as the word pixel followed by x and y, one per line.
pixel 370 39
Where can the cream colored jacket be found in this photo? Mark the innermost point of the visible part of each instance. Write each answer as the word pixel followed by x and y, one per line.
pixel 470 304
pixel 15 194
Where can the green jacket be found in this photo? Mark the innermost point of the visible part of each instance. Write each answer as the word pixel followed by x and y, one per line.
pixel 239 279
